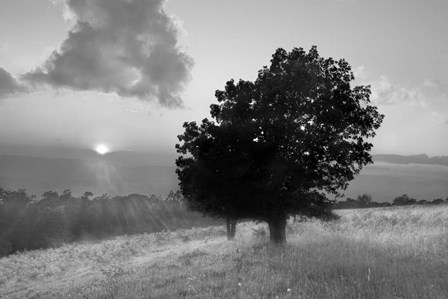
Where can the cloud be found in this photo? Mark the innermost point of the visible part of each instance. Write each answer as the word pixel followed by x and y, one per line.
pixel 124 46
pixel 436 85
pixel 438 117
pixel 360 73
pixel 8 84
pixel 429 83
pixel 385 93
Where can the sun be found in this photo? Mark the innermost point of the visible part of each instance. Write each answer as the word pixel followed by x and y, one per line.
pixel 102 149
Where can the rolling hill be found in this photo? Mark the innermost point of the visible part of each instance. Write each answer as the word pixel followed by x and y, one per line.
pixel 397 252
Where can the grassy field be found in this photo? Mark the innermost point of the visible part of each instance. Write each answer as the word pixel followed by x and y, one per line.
pixel 398 252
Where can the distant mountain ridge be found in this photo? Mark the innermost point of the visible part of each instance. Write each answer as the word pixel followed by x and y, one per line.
pixel 122 157
pixel 415 159
pixel 40 169
pixel 114 174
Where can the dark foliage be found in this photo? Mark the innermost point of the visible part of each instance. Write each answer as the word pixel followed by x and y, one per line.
pixel 27 223
pixel 362 201
pixel 278 143
pixel 404 200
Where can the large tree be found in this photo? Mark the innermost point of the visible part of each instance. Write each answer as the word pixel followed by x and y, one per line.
pixel 279 145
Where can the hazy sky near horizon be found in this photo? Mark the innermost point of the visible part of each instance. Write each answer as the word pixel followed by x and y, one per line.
pixel 128 73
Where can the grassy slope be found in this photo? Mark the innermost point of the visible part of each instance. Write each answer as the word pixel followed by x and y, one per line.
pixel 375 253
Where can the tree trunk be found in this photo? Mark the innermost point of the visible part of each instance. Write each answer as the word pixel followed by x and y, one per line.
pixel 231 228
pixel 277 229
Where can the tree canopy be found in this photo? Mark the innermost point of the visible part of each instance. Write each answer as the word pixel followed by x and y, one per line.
pixel 279 144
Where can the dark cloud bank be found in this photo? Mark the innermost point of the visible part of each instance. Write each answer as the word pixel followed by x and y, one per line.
pixel 124 46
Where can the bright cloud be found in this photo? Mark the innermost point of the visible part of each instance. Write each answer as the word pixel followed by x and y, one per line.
pixel 128 47
pixel 386 93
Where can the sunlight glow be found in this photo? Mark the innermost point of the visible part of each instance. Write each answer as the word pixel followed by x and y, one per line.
pixel 102 149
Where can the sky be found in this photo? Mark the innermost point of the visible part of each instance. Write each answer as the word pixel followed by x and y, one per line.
pixel 128 73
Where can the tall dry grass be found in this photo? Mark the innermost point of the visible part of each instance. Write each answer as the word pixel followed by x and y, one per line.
pixel 399 252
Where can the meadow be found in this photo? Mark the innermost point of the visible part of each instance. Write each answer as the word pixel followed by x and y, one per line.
pixel 394 252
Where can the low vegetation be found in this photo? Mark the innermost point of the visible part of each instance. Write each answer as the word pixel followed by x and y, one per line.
pixel 394 252
pixel 28 223
pixel 366 201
